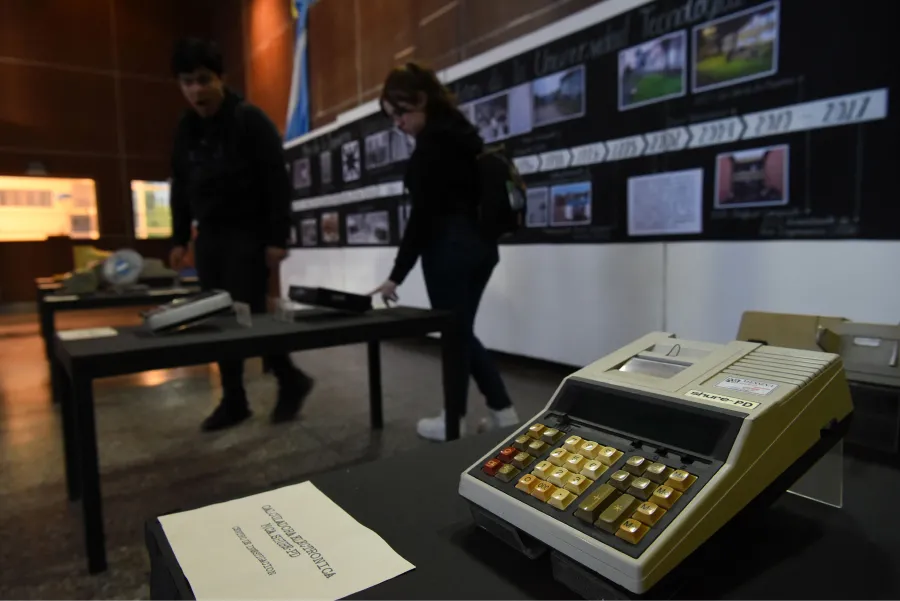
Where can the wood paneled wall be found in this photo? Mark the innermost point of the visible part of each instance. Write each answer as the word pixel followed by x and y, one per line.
pixel 85 90
pixel 354 43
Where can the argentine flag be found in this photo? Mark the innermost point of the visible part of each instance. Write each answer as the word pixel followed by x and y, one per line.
pixel 298 104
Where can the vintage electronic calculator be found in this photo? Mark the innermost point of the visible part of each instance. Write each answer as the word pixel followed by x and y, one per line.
pixel 643 455
pixel 331 299
pixel 186 311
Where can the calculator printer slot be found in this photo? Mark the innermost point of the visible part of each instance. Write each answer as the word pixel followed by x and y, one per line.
pixel 653 366
pixel 642 456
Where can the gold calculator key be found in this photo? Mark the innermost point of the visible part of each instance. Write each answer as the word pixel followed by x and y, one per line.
pixel 608 455
pixel 641 488
pixel 591 507
pixel 542 470
pixel 543 491
pixel 507 472
pixel 632 531
pixel 657 472
pixel 527 483
pixel 536 448
pixel 589 449
pixel 522 442
pixel 593 469
pixel 551 435
pixel 559 476
pixel 562 498
pixel 574 463
pixel 572 443
pixel 636 465
pixel 577 483
pixel 621 480
pixel 617 512
pixel 536 430
pixel 680 480
pixel 665 496
pixel 558 457
pixel 522 460
pixel 648 513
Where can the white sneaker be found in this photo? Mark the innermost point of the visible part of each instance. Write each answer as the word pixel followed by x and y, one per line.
pixel 435 428
pixel 504 418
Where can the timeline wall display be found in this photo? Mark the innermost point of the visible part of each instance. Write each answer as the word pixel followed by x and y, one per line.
pixel 679 120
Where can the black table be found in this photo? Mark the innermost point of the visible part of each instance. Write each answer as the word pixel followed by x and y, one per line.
pixel 49 304
pixel 133 351
pixel 797 549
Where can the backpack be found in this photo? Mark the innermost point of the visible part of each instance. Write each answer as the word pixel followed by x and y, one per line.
pixel 501 206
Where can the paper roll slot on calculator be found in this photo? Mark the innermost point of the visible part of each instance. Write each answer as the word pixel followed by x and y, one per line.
pixel 641 456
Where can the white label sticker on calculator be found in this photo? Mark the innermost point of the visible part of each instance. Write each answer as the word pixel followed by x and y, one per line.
pixel 748 386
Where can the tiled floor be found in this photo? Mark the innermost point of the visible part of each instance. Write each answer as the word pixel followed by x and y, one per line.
pixel 154 460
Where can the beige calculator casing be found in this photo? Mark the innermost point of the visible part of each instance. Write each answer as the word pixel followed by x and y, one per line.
pixel 807 391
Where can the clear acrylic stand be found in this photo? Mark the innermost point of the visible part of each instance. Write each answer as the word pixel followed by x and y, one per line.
pixel 285 310
pixel 824 482
pixel 243 315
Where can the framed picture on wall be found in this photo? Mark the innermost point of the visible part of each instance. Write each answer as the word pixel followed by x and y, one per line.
pixel 753 178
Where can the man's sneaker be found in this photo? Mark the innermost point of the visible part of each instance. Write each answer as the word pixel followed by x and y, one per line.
pixel 435 428
pixel 504 418
pixel 225 416
pixel 291 398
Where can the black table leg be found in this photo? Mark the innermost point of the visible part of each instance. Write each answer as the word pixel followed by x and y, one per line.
pixel 451 366
pixel 375 404
pixel 45 312
pixel 70 432
pixel 91 502
pixel 58 380
pixel 48 333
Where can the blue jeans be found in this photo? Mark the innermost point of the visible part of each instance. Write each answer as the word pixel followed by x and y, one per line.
pixel 457 265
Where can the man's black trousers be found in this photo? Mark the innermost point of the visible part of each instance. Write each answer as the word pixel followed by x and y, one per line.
pixel 235 261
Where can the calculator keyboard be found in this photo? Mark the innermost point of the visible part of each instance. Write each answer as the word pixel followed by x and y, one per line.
pixel 622 492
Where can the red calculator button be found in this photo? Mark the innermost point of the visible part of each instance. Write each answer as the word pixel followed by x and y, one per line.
pixel 491 466
pixel 507 454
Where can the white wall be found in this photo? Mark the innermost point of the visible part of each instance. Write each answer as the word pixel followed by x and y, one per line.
pixel 565 303
pixel 575 303
pixel 710 284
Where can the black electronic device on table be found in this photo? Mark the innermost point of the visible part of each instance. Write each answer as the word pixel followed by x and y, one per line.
pixel 187 311
pixel 331 299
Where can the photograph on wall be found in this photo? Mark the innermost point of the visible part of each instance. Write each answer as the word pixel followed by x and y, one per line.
pixel 537 207
pixel 350 161
pixel 653 71
pixel 370 227
pixel 404 208
pixel 302 176
pixel 570 204
pixel 752 178
pixel 331 227
pixel 325 166
pixel 737 48
pixel 378 150
pixel 504 114
pixel 558 97
pixel 666 204
pixel 152 211
pixel 309 232
pixel 401 145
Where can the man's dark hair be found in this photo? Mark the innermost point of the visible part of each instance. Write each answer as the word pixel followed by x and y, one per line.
pixel 193 53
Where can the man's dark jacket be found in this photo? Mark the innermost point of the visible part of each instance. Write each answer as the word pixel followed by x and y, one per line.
pixel 228 173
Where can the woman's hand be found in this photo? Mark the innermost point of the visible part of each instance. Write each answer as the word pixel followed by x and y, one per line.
pixel 388 292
